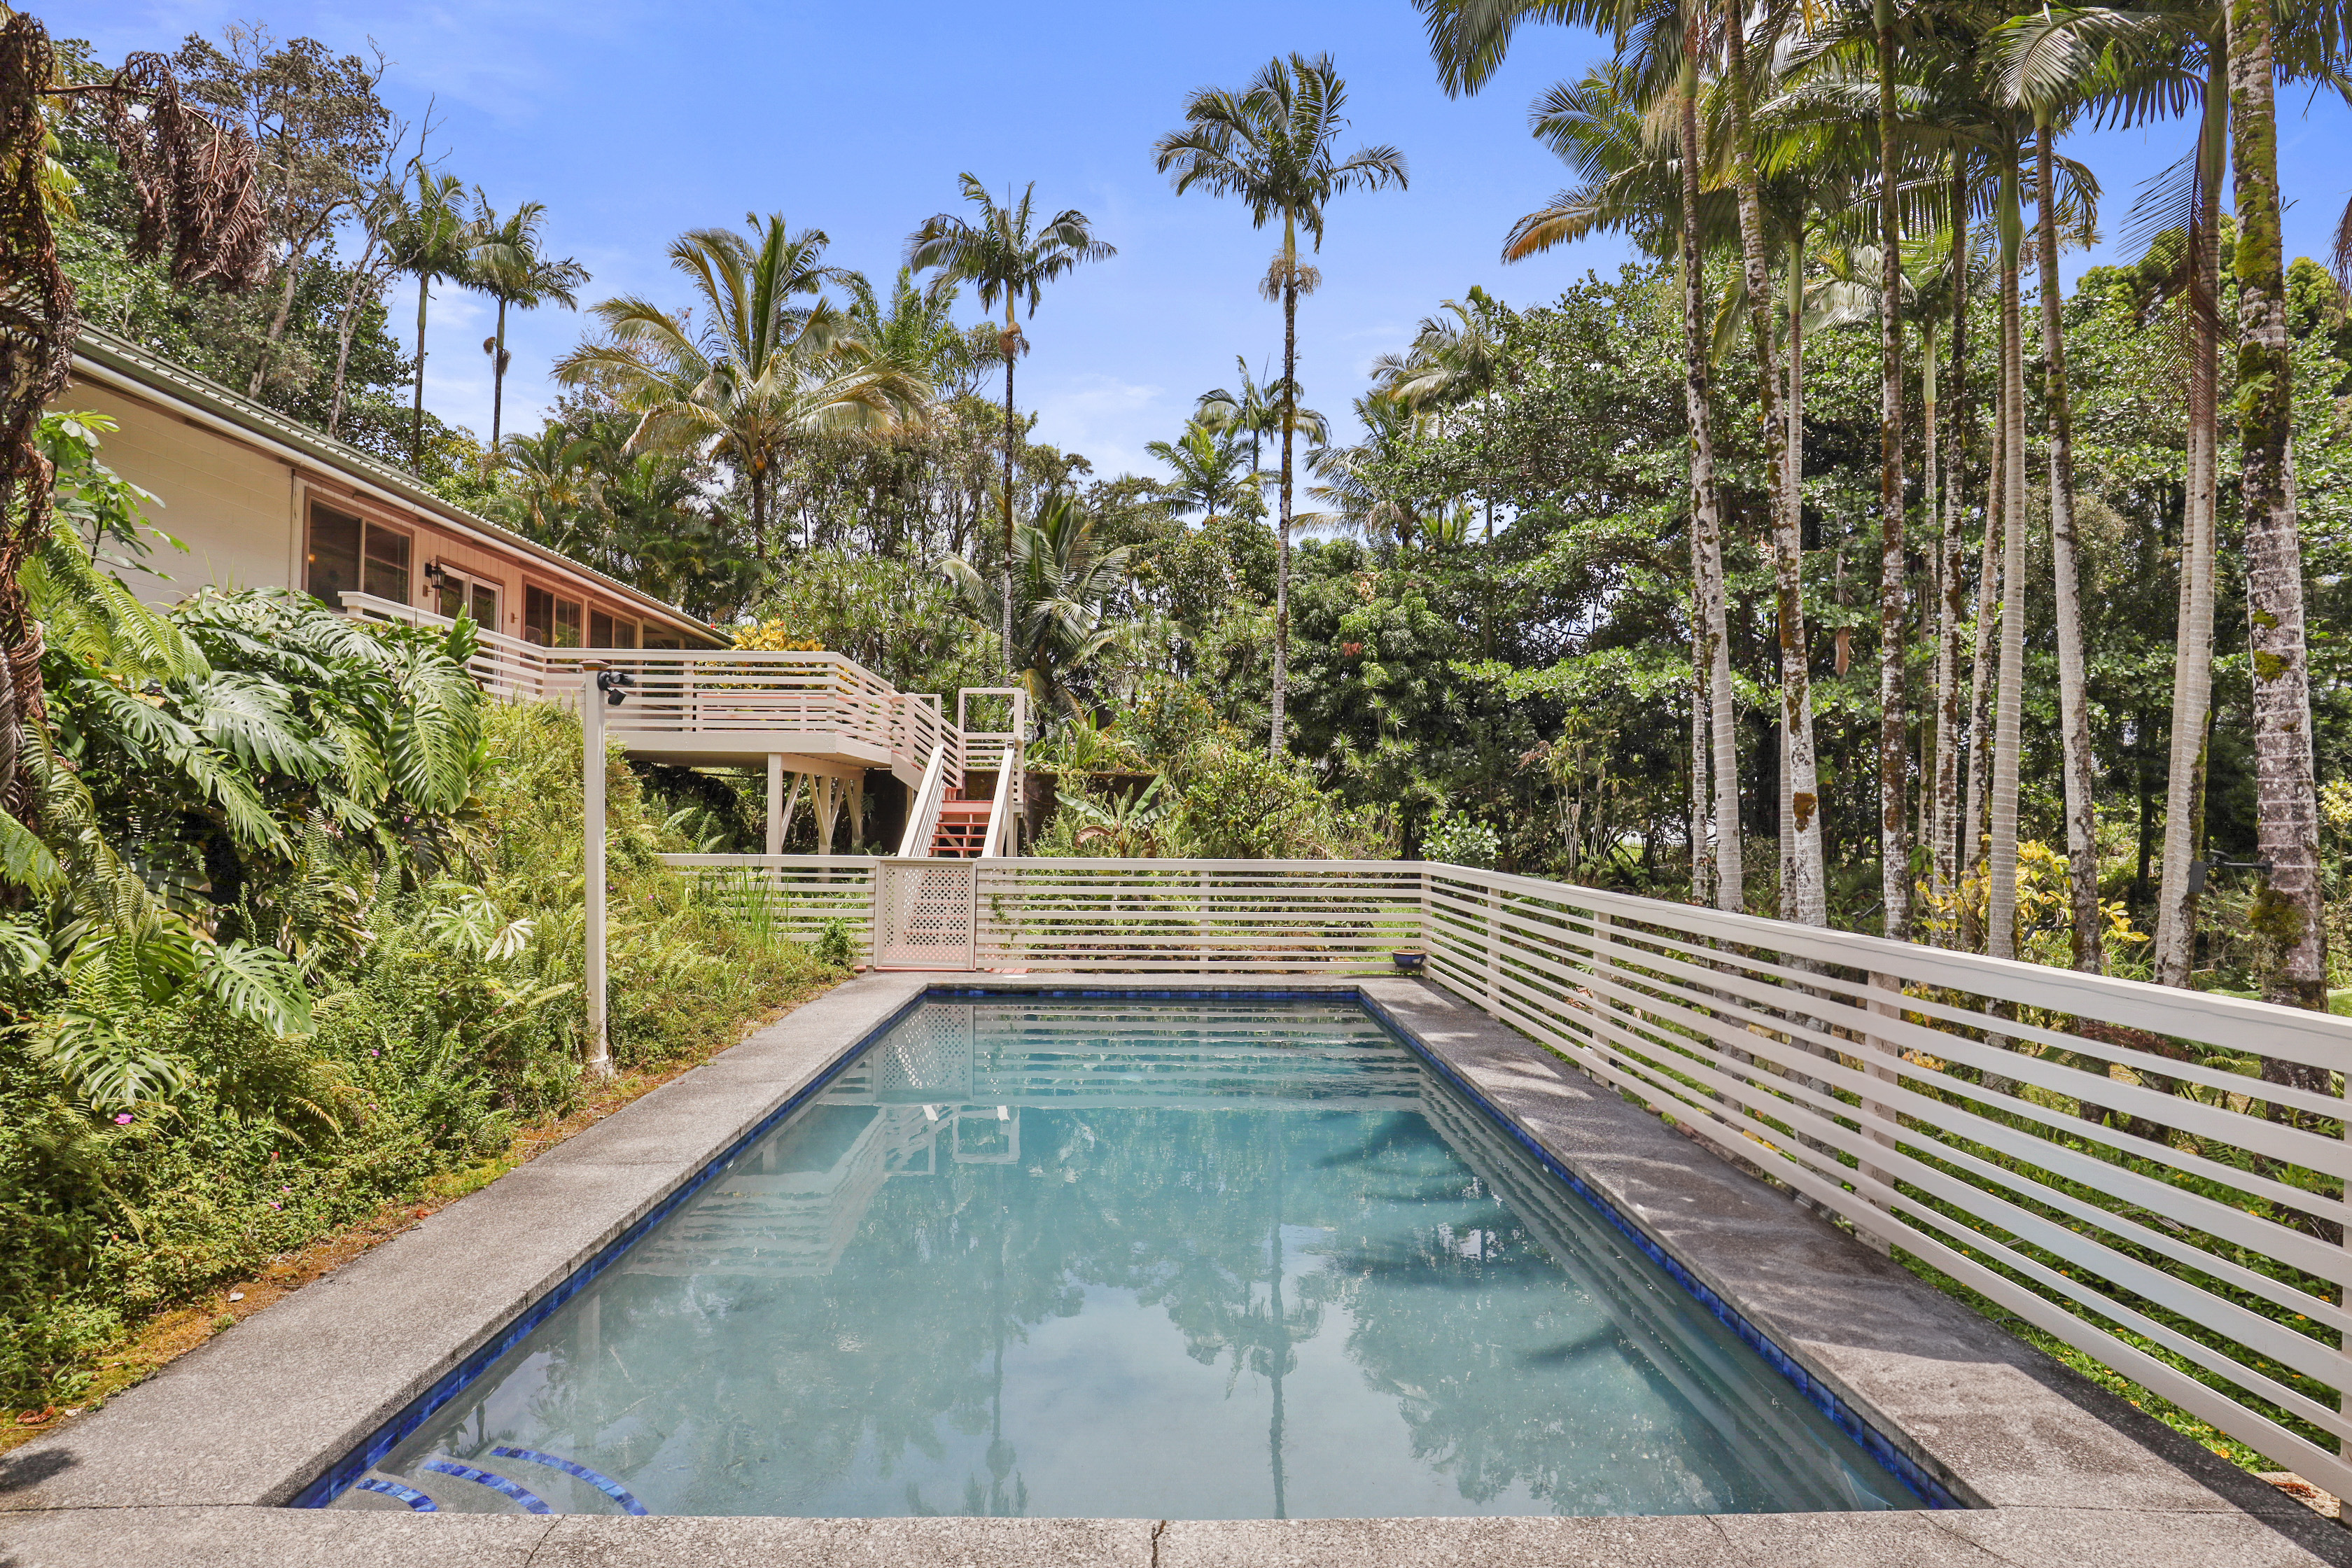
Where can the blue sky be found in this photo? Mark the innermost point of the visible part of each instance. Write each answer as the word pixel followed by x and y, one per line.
pixel 634 121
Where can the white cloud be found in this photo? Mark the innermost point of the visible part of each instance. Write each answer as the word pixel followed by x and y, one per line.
pixel 499 58
pixel 1108 419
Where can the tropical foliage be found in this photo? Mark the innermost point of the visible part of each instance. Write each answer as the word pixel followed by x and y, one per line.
pixel 298 933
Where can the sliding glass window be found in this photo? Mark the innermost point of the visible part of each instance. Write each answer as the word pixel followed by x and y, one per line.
pixel 348 554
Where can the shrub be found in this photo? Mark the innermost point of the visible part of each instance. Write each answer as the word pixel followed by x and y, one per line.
pixel 835 946
pixel 447 1007
pixel 1458 839
pixel 1240 803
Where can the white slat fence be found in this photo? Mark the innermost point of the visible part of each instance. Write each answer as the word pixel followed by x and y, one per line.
pixel 2096 1156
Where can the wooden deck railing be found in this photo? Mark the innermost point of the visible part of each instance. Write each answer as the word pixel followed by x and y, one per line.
pixel 722 692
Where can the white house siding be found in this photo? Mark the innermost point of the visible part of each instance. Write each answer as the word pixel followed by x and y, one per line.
pixel 231 505
pixel 242 506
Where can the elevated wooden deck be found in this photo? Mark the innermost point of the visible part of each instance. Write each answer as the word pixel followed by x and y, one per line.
pixel 819 718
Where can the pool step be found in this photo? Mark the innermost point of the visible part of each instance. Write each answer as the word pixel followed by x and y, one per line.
pixel 531 1501
pixel 409 1495
pixel 597 1478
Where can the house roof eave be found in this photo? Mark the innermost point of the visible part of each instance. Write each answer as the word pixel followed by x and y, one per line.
pixel 107 359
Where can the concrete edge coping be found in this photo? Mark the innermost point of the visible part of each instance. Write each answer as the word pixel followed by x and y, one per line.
pixel 132 1521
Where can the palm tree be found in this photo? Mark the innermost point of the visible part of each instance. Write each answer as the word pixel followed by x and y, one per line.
pixel 1005 255
pixel 1952 598
pixel 1255 411
pixel 756 372
pixel 1066 587
pixel 917 333
pixel 2171 57
pixel 1731 881
pixel 554 476
pixel 1961 111
pixel 508 268
pixel 433 241
pixel 1271 145
pixel 2286 802
pixel 2000 859
pixel 1812 186
pixel 1838 47
pixel 1804 893
pixel 1451 364
pixel 1643 178
pixel 2131 65
pixel 2049 102
pixel 1356 503
pixel 1894 747
pixel 1205 461
pixel 1935 286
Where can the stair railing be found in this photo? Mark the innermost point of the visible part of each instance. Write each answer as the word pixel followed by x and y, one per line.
pixel 1000 841
pixel 923 814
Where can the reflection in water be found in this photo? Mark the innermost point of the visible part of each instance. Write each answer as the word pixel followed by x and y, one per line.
pixel 1128 1259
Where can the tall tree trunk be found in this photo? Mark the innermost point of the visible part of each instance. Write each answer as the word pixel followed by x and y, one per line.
pixel 1804 895
pixel 416 428
pixel 1894 732
pixel 1792 477
pixel 1974 828
pixel 362 282
pixel 2081 769
pixel 1701 836
pixel 1931 514
pixel 1945 861
pixel 2286 805
pixel 2192 662
pixel 759 481
pixel 294 260
pixel 1012 345
pixel 498 378
pixel 1289 418
pixel 2001 870
pixel 1715 640
pixel 1786 823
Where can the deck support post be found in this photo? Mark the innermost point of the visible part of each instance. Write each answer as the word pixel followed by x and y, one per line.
pixel 826 802
pixel 780 818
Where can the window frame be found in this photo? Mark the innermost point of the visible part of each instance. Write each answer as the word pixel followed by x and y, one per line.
pixel 471 587
pixel 557 604
pixel 371 526
pixel 615 623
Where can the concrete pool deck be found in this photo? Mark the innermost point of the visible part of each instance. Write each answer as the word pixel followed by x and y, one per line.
pixel 195 1466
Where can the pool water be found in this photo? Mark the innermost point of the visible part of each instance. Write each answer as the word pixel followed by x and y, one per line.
pixel 1119 1259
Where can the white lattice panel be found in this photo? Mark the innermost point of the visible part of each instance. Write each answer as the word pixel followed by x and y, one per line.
pixel 924 910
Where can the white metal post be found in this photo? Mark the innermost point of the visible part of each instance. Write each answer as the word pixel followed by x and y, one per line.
pixel 1494 950
pixel 1604 941
pixel 592 839
pixel 1877 1056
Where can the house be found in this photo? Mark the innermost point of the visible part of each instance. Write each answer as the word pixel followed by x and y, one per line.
pixel 263 502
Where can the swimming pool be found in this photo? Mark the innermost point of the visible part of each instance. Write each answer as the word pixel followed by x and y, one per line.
pixel 1115 1257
